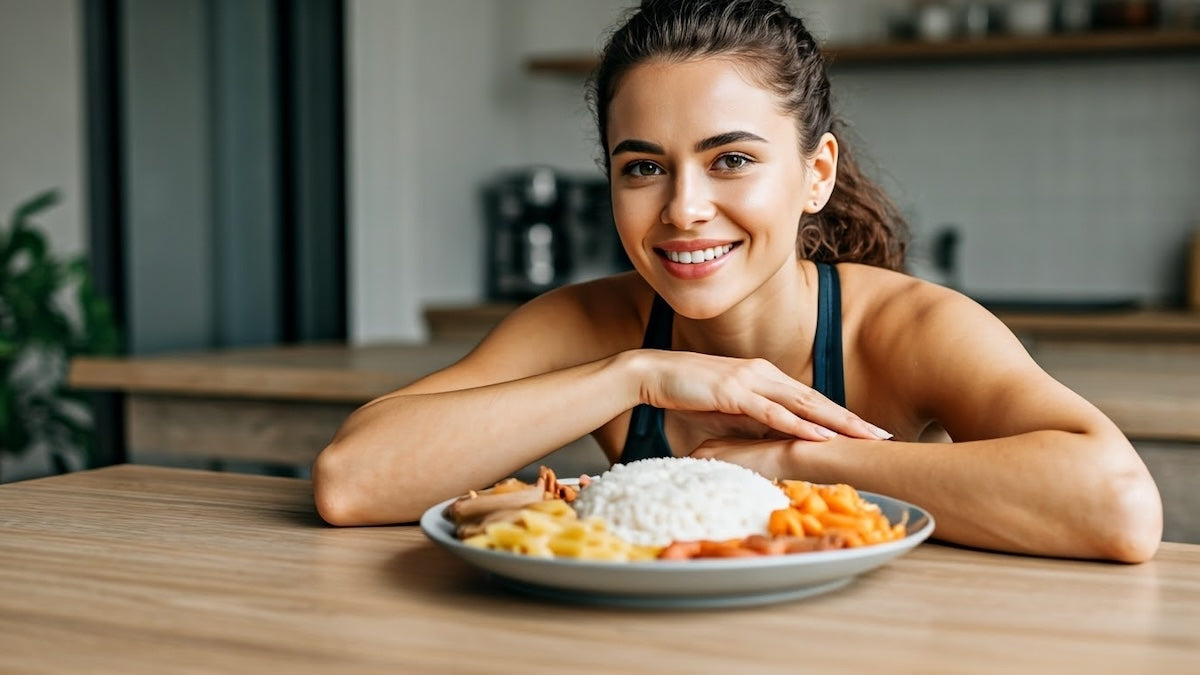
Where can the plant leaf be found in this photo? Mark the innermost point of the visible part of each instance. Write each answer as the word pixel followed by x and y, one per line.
pixel 39 202
pixel 35 407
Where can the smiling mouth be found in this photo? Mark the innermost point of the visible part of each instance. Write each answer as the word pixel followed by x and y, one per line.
pixel 697 256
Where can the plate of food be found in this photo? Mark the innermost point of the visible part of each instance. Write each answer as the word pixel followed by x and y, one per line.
pixel 675 533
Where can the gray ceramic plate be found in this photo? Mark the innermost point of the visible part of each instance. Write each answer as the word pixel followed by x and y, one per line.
pixel 688 583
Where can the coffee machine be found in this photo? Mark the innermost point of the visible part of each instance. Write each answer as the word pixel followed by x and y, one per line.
pixel 546 228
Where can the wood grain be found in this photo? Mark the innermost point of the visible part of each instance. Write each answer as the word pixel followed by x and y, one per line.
pixel 150 570
pixel 319 372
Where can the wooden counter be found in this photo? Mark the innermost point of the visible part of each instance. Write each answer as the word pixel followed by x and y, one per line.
pixel 1139 326
pixel 472 321
pixel 1150 389
pixel 1151 392
pixel 148 570
pixel 316 372
pixel 275 405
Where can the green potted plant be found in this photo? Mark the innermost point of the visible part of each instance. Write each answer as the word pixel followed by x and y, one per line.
pixel 49 312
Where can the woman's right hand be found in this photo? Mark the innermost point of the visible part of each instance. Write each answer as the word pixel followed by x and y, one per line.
pixel 752 390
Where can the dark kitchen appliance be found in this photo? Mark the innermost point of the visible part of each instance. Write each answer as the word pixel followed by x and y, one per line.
pixel 546 228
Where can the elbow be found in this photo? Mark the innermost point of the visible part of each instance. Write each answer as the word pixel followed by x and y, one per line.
pixel 332 494
pixel 1135 520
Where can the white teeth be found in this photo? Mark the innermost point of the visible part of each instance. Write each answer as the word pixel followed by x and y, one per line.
pixel 691 257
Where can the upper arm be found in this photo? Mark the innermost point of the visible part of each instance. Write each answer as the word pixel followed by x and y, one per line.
pixel 968 372
pixel 561 328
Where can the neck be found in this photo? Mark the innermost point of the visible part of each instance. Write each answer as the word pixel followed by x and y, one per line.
pixel 776 322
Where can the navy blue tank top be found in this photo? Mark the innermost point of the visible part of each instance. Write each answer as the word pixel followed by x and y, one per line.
pixel 646 437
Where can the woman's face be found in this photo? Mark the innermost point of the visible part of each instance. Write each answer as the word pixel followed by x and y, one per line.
pixel 708 182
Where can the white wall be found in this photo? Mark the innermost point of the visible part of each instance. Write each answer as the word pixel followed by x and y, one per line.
pixel 439 102
pixel 1074 179
pixel 423 131
pixel 1066 179
pixel 41 123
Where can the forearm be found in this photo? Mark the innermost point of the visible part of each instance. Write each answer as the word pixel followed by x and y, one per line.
pixel 1045 492
pixel 396 456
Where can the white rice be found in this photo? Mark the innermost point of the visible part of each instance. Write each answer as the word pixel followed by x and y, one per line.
pixel 656 501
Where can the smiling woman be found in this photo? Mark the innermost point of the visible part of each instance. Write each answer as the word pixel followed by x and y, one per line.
pixel 766 323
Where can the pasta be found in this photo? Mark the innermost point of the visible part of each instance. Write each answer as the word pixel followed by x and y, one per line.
pixel 551 528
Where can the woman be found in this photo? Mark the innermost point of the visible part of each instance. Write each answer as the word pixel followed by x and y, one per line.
pixel 766 324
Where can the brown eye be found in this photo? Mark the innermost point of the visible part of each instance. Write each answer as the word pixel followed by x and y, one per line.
pixel 733 162
pixel 641 169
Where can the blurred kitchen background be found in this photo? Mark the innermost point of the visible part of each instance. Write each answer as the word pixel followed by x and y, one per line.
pixel 260 172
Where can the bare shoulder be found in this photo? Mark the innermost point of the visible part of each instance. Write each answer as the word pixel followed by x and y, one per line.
pixel 932 346
pixel 567 326
pixel 874 298
pixel 886 307
pixel 912 325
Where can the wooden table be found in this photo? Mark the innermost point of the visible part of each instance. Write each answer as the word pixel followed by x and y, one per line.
pixel 144 569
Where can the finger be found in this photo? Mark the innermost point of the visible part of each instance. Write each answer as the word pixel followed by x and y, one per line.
pixel 778 417
pixel 846 423
pixel 808 404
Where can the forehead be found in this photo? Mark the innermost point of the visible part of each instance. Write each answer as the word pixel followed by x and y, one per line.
pixel 691 100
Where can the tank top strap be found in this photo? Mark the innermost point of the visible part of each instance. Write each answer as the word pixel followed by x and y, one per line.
pixel 646 437
pixel 658 326
pixel 828 375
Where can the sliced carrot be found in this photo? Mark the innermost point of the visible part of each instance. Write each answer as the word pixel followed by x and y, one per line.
pixel 812 526
pixel 814 504
pixel 797 490
pixel 840 500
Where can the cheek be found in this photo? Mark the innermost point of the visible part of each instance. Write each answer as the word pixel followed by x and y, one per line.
pixel 634 214
pixel 767 206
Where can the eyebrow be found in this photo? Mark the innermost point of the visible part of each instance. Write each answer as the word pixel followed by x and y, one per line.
pixel 727 138
pixel 637 145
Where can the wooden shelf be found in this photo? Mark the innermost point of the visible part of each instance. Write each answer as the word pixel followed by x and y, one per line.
pixel 1009 48
pixel 1015 48
pixel 1147 326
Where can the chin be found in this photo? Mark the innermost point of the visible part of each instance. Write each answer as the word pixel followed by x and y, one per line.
pixel 699 305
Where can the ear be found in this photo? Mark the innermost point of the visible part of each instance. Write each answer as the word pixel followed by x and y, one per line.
pixel 822 172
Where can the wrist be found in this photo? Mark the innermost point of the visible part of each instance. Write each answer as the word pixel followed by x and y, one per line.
pixel 633 368
pixel 817 461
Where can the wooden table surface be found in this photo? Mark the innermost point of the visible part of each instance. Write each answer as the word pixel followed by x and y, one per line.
pixel 136 569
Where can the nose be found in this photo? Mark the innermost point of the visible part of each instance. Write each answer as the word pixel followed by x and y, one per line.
pixel 690 202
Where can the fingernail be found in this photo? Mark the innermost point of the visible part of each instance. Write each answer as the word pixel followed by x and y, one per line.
pixel 826 432
pixel 880 433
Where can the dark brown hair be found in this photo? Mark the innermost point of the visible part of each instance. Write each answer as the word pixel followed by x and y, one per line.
pixel 860 223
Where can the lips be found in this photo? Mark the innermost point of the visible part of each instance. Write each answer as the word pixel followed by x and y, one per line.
pixel 691 260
